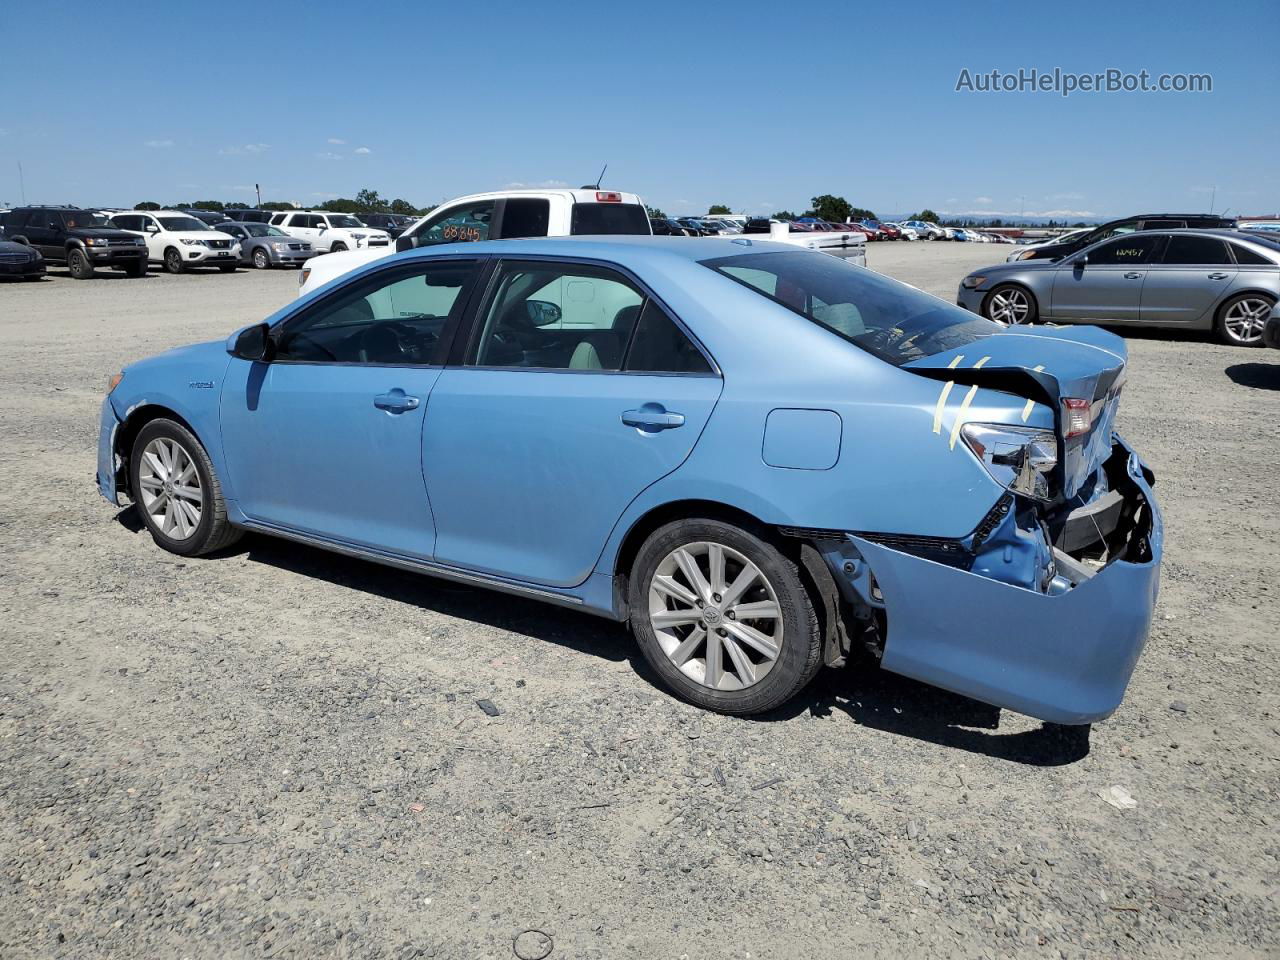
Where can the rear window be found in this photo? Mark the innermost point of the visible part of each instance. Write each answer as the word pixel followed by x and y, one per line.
pixel 591 219
pixel 891 320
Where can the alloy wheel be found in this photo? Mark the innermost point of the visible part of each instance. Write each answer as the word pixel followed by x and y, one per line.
pixel 716 616
pixel 1245 319
pixel 169 486
pixel 1009 306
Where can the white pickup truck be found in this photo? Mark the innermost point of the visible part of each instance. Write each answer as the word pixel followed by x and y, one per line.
pixel 494 216
pixel 847 245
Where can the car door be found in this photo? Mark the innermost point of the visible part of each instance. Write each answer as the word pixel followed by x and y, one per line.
pixel 1192 275
pixel 576 392
pixel 463 223
pixel 326 439
pixel 1104 282
pixel 41 232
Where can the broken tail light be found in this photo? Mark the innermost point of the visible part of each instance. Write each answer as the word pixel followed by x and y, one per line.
pixel 1021 459
pixel 1077 416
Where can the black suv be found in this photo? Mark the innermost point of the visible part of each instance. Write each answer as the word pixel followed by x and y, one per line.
pixel 81 239
pixel 394 223
pixel 1143 221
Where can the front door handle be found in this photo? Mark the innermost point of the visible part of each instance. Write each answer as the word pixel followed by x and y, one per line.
pixel 1133 276
pixel 652 417
pixel 396 401
pixel 1219 276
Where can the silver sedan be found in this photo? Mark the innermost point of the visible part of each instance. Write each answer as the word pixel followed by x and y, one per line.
pixel 265 246
pixel 1221 280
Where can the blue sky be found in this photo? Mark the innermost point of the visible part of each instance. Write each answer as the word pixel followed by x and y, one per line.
pixel 757 105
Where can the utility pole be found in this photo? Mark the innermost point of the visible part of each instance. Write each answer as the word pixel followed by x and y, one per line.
pixel 258 190
pixel 22 184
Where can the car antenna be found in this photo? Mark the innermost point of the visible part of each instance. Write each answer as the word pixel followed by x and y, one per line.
pixel 596 185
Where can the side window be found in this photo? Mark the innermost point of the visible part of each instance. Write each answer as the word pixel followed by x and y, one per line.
pixel 463 224
pixel 558 316
pixel 1248 257
pixel 1119 229
pixel 394 317
pixel 51 221
pixel 278 219
pixel 659 346
pixel 1132 249
pixel 526 217
pixel 126 222
pixel 1196 250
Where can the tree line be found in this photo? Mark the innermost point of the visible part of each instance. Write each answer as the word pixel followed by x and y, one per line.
pixel 366 201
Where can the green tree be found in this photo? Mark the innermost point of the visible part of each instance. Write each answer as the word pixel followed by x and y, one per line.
pixel 927 215
pixel 147 205
pixel 277 205
pixel 654 212
pixel 861 213
pixel 718 208
pixel 236 206
pixel 368 201
pixel 214 205
pixel 342 205
pixel 403 207
pixel 784 215
pixel 828 207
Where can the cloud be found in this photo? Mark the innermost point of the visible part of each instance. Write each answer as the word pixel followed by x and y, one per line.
pixel 363 150
pixel 240 188
pixel 326 155
pixel 337 141
pixel 158 144
pixel 982 200
pixel 321 195
pixel 244 149
pixel 541 184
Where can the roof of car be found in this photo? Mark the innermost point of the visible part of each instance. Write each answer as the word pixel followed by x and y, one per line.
pixel 615 247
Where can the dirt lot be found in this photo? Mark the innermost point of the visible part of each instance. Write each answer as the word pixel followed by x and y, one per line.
pixel 279 753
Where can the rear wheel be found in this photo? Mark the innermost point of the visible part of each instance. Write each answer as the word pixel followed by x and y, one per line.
pixel 723 616
pixel 1241 319
pixel 176 493
pixel 1009 303
pixel 173 260
pixel 261 259
pixel 78 265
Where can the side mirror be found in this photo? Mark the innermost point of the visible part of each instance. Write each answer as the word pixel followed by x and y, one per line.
pixel 152 228
pixel 404 243
pixel 253 343
pixel 1080 262
pixel 324 227
pixel 542 312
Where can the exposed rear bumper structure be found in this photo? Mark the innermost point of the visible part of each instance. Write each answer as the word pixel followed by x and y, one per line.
pixel 1065 657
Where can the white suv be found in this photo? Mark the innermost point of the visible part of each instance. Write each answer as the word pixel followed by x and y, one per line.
pixel 180 241
pixel 331 232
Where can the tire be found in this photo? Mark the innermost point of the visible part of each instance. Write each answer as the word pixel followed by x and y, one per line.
pixel 1241 319
pixel 136 270
pixel 78 265
pixel 338 248
pixel 1012 304
pixel 173 260
pixel 151 479
pixel 677 648
pixel 261 259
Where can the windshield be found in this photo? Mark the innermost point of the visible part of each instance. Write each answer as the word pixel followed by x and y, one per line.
pixel 344 222
pixel 182 223
pixel 263 230
pixel 83 218
pixel 592 219
pixel 891 320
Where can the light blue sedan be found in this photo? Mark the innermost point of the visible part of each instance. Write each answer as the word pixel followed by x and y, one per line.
pixel 764 459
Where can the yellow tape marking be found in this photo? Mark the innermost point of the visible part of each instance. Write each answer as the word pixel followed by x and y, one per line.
pixel 964 408
pixel 942 397
pixel 981 362
pixel 1026 411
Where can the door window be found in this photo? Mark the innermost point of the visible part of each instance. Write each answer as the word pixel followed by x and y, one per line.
pixel 526 217
pixel 1244 255
pixel 660 346
pixel 1131 249
pixel 394 317
pixel 1196 250
pixel 558 316
pixel 463 224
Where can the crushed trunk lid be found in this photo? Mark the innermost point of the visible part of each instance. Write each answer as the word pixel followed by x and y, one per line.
pixel 1049 365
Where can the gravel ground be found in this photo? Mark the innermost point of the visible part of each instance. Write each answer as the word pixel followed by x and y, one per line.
pixel 279 752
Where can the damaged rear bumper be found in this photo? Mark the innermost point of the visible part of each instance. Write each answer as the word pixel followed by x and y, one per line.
pixel 1064 657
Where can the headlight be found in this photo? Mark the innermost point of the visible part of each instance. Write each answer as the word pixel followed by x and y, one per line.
pixel 973 281
pixel 1018 458
pixel 277 246
pixel 359 236
pixel 302 275
pixel 97 241
pixel 192 243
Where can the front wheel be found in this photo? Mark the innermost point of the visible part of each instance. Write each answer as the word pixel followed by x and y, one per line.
pixel 261 259
pixel 723 616
pixel 173 260
pixel 1241 319
pixel 338 248
pixel 176 492
pixel 78 265
pixel 1009 303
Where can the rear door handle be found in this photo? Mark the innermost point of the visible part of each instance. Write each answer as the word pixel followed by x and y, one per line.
pixel 1133 276
pixel 652 417
pixel 396 401
pixel 1219 276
